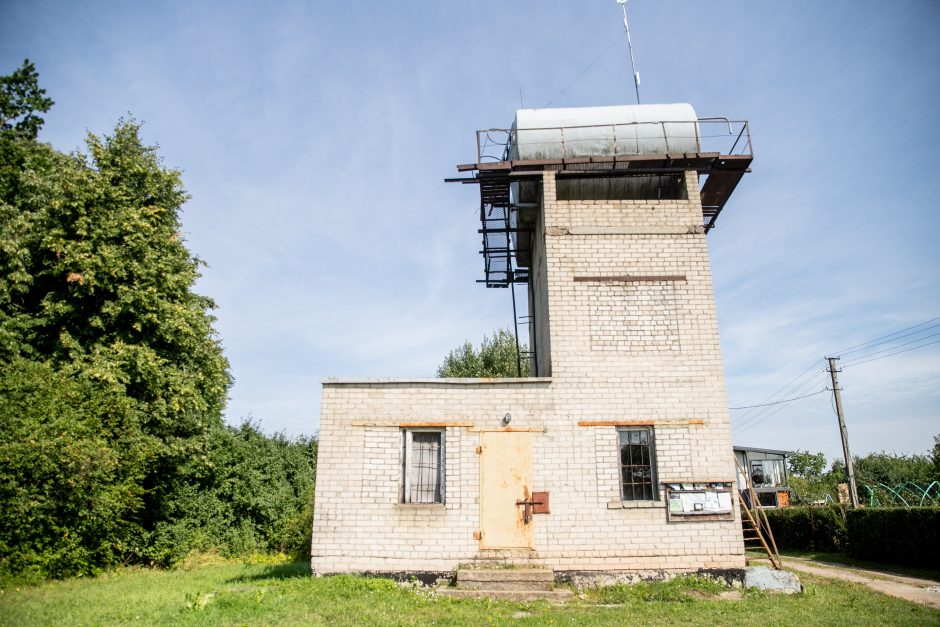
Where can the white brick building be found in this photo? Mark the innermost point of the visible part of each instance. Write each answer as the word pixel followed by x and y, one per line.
pixel 617 456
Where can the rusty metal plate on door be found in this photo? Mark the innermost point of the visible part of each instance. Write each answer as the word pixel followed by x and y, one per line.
pixel 540 505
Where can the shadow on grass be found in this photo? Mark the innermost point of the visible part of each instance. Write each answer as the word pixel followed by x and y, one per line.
pixel 841 559
pixel 276 571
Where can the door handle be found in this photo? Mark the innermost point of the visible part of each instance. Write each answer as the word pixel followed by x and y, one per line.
pixel 527 509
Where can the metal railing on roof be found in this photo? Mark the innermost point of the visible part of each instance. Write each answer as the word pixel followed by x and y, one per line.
pixel 710 135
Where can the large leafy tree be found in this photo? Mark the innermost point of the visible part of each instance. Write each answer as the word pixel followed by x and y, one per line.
pixel 22 100
pixel 808 480
pixel 96 278
pixel 99 323
pixel 496 357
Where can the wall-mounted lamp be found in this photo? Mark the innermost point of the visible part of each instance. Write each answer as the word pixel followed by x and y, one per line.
pixel 506 419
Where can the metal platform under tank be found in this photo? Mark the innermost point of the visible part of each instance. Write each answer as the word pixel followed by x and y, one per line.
pixel 717 148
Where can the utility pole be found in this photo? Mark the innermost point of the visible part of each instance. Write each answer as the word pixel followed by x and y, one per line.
pixel 849 466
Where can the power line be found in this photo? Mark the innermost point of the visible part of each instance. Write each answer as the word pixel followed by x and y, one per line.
pixel 773 411
pixel 765 413
pixel 786 400
pixel 852 348
pixel 782 390
pixel 760 412
pixel 891 348
pixel 583 72
pixel 796 387
pixel 914 348
pixel 899 337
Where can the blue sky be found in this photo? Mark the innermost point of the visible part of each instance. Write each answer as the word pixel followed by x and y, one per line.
pixel 314 138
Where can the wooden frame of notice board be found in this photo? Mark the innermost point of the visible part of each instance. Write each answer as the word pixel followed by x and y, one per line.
pixel 699 501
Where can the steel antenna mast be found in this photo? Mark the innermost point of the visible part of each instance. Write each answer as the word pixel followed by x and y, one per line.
pixel 626 27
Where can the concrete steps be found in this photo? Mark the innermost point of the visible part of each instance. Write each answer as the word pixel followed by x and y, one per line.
pixel 507 584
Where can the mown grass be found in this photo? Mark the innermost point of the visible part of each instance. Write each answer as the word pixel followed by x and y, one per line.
pixel 285 594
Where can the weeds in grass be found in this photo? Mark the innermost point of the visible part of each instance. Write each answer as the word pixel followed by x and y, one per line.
pixel 199 600
pixel 679 590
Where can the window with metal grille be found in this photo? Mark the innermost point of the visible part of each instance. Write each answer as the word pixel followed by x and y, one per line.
pixel 423 466
pixel 638 464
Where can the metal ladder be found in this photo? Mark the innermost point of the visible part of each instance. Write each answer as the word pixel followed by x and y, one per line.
pixel 754 524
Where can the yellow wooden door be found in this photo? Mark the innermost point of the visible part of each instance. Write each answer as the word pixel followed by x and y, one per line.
pixel 505 461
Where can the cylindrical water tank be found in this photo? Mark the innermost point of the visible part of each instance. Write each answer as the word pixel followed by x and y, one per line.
pixel 604 131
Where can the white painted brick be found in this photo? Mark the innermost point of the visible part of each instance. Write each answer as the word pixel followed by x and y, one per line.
pixel 614 351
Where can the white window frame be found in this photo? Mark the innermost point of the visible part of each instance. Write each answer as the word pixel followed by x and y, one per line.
pixel 407 456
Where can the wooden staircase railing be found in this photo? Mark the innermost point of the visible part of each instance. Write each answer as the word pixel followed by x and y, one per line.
pixel 755 527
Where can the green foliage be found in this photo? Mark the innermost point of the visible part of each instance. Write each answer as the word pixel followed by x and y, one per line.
pixel 806 464
pixel 687 589
pixel 249 492
pixel 72 463
pixel 20 100
pixel 99 283
pixel 935 457
pixel 112 379
pixel 95 292
pixel 807 479
pixel 809 528
pixel 809 483
pixel 891 469
pixel 891 535
pixel 496 357
pixel 895 535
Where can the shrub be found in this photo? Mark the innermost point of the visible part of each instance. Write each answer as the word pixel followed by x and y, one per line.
pixel 895 535
pixel 248 493
pixel 72 463
pixel 809 528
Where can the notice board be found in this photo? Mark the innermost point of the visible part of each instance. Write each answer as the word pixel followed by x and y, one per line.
pixel 700 501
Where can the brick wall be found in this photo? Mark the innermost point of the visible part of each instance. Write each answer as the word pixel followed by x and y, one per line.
pixel 625 325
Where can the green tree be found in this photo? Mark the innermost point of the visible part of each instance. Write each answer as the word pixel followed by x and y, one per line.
pixel 99 284
pixel 112 379
pixel 20 100
pixel 96 291
pixel 892 469
pixel 806 464
pixel 806 476
pixel 496 357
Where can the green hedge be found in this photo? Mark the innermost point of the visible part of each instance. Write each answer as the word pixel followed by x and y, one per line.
pixel 896 535
pixel 892 535
pixel 809 528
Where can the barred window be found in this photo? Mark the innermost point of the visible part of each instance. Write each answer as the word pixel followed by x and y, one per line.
pixel 423 466
pixel 638 464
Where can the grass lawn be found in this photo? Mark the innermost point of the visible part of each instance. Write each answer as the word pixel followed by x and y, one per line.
pixel 229 593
